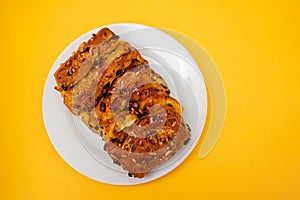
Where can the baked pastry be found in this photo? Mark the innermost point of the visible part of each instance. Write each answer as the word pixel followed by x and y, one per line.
pixel 119 96
pixel 77 66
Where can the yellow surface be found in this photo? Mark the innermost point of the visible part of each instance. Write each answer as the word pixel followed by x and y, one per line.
pixel 255 44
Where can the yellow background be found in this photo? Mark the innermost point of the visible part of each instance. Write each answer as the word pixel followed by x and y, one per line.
pixel 255 45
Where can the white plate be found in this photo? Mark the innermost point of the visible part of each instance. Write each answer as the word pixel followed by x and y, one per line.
pixel 83 150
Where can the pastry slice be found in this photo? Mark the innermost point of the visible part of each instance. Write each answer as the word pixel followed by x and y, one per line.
pixel 151 141
pixel 78 65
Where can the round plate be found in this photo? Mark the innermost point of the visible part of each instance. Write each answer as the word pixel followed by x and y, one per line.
pixel 82 149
